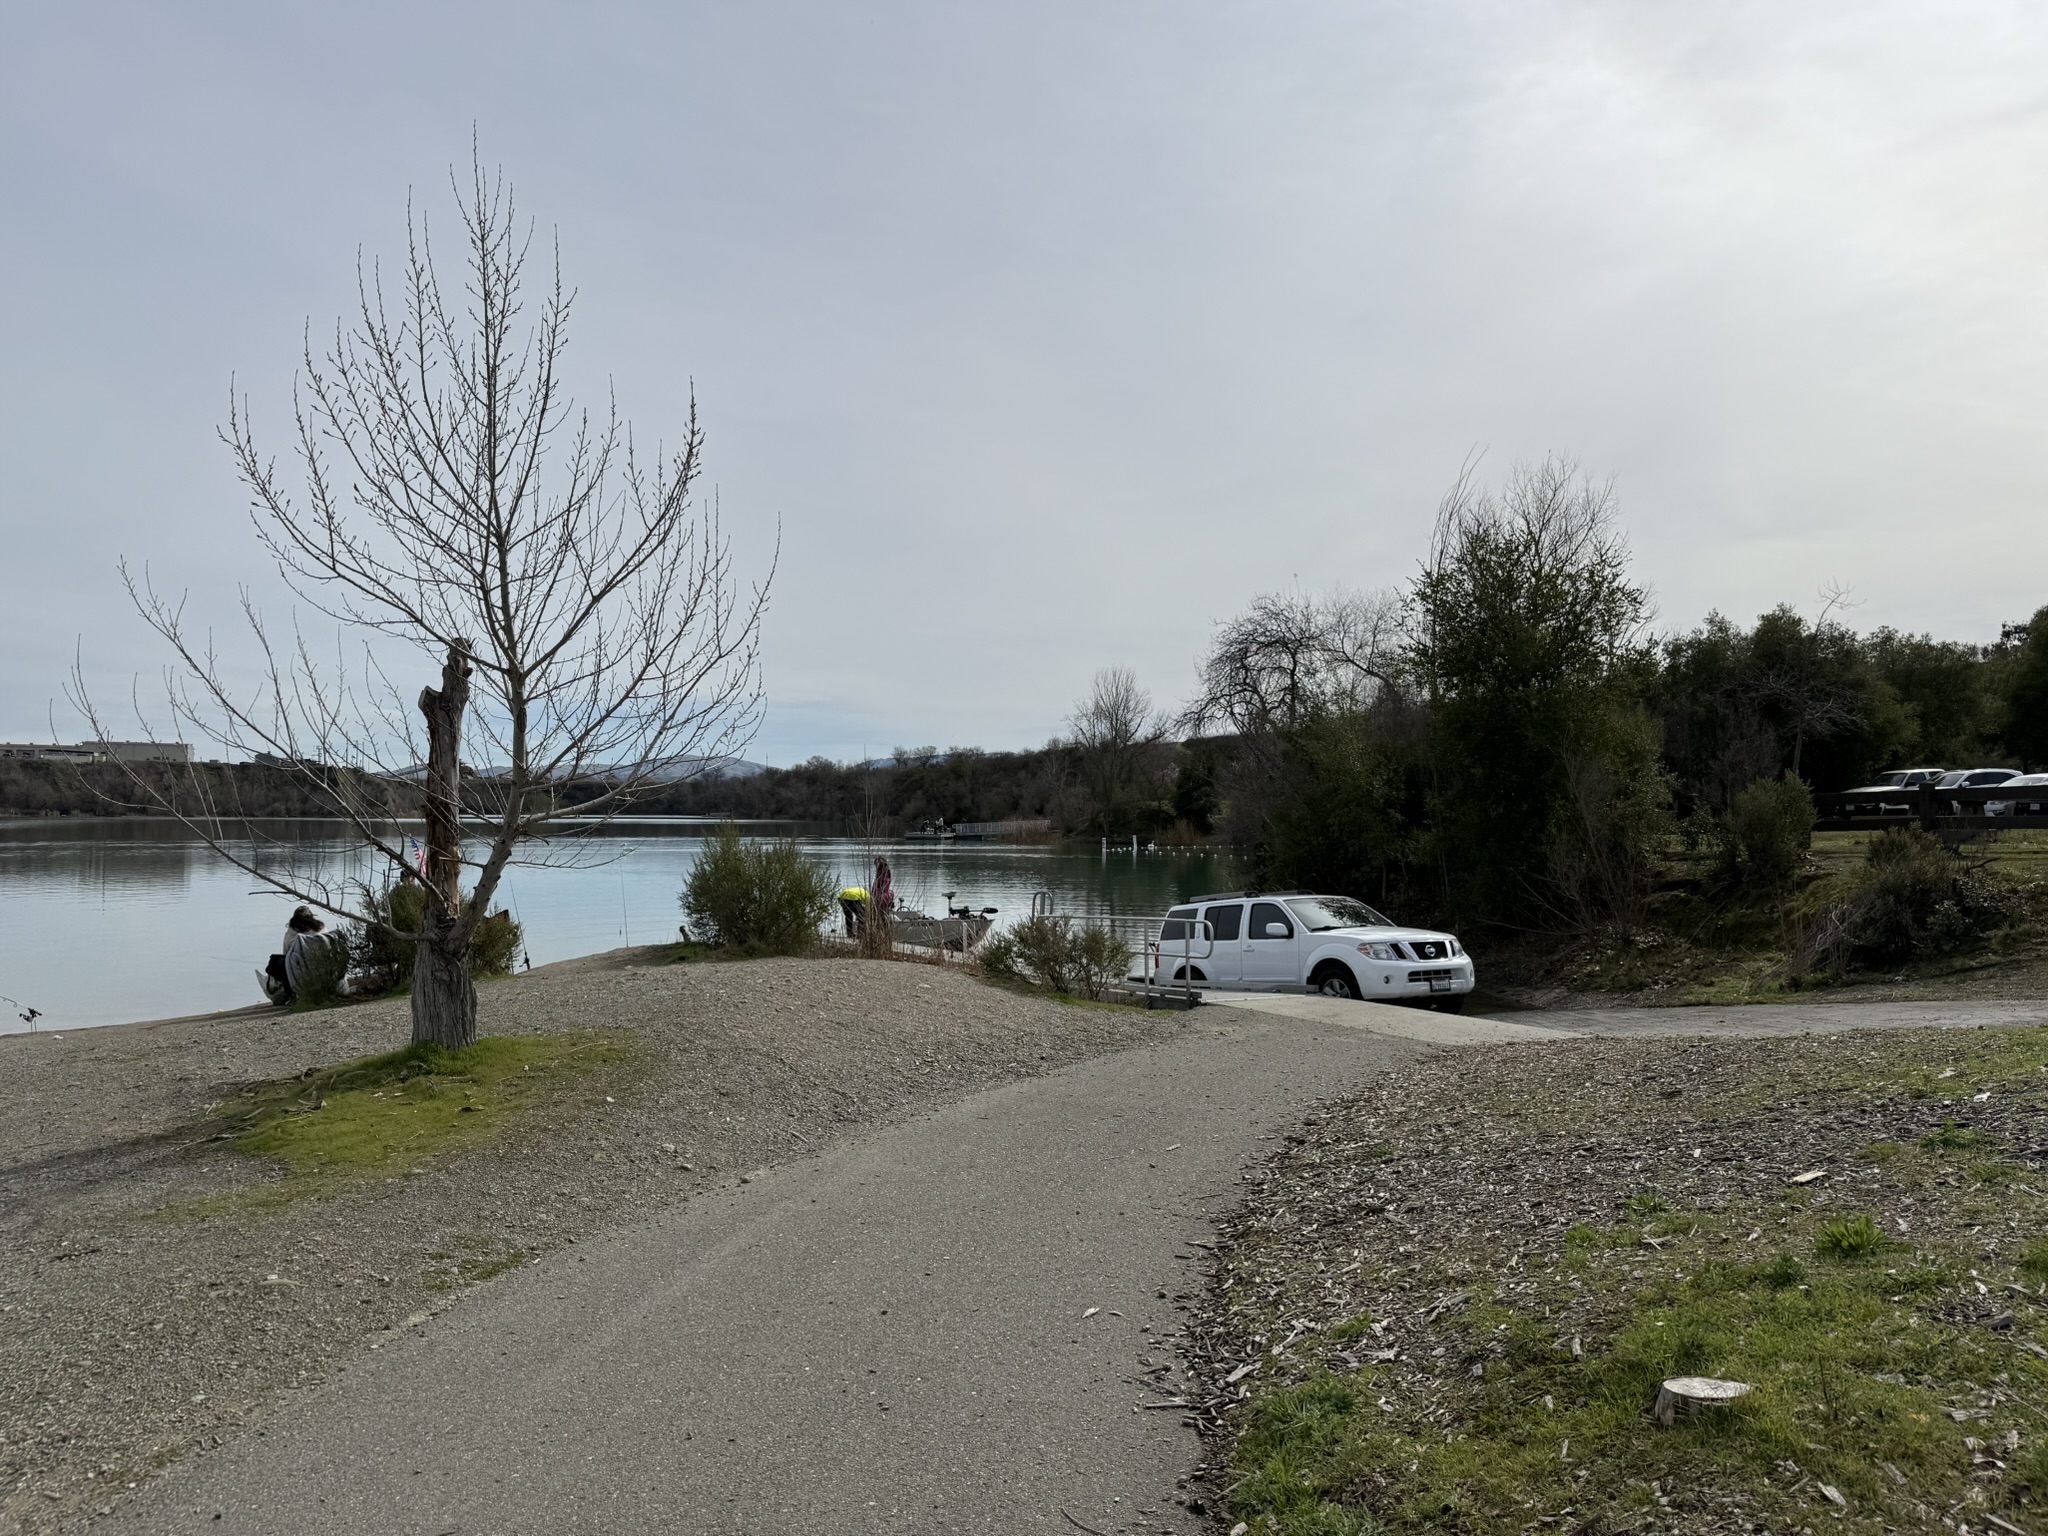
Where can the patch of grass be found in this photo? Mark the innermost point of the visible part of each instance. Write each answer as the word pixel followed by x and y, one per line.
pixel 1486 1423
pixel 2034 1258
pixel 390 1113
pixel 1959 1063
pixel 1950 1137
pixel 1779 1273
pixel 1540 1433
pixel 1849 1238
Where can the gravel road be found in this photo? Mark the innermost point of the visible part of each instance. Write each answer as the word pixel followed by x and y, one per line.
pixel 129 1340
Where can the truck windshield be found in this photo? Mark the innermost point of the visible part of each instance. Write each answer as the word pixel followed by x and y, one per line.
pixel 1319 914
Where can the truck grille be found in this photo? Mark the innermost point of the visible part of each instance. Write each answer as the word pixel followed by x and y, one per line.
pixel 1431 975
pixel 1430 949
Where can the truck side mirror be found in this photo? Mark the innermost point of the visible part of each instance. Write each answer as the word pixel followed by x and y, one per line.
pixel 1279 931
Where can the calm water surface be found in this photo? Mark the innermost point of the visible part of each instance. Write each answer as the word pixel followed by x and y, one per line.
pixel 103 921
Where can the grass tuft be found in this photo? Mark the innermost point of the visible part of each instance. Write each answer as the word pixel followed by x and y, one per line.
pixel 1849 1237
pixel 391 1113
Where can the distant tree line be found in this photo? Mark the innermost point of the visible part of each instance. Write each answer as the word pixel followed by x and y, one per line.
pixel 234 791
pixel 920 784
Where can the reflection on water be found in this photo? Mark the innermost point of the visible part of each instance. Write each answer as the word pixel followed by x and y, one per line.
pixel 132 918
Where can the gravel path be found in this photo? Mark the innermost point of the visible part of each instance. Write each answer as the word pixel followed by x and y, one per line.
pixel 128 1339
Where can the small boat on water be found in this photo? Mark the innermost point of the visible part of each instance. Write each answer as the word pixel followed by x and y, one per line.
pixel 959 930
pixel 958 934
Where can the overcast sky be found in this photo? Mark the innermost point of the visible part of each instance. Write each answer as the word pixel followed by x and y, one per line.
pixel 1051 333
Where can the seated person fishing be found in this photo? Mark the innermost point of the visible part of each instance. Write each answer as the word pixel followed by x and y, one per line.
pixel 306 942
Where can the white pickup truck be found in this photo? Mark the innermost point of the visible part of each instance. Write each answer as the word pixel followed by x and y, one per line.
pixel 1290 941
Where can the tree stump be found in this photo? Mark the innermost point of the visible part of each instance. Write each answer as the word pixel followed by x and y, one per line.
pixel 1692 1393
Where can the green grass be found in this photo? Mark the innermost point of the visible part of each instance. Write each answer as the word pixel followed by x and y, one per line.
pixel 391 1114
pixel 1849 1238
pixel 1857 1340
pixel 1846 1379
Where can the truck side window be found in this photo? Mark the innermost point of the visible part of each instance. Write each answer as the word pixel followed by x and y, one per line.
pixel 1225 920
pixel 1175 928
pixel 1264 912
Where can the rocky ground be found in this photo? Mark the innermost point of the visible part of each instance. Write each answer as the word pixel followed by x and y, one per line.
pixel 1447 1303
pixel 152 1298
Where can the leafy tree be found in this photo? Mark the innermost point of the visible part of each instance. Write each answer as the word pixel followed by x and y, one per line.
pixel 2026 699
pixel 1944 694
pixel 1530 651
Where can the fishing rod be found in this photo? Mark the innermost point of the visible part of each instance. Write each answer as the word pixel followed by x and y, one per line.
pixel 26 1014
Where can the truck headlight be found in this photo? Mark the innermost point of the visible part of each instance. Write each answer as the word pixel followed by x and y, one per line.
pixel 1378 951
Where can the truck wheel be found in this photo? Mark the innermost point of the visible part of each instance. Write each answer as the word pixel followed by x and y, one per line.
pixel 1186 973
pixel 1335 981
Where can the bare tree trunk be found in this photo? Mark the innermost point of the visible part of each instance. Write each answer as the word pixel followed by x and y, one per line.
pixel 443 995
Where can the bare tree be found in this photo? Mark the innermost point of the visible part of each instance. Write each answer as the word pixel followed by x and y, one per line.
pixel 1113 729
pixel 452 502
pixel 1289 656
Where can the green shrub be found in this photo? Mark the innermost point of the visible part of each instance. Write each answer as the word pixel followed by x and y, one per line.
pixel 761 898
pixel 1101 960
pixel 1045 952
pixel 381 951
pixel 998 957
pixel 1766 833
pixel 1849 1237
pixel 1912 898
pixel 1052 952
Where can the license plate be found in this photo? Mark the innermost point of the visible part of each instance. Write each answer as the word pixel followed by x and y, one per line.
pixel 1440 983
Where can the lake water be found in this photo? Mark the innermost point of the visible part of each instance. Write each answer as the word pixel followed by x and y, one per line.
pixel 104 921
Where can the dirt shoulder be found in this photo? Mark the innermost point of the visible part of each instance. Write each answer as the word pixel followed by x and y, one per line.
pixel 159 1287
pixel 1448 1303
pixel 1651 973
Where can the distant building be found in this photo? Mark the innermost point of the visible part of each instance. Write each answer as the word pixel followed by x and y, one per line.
pixel 100 751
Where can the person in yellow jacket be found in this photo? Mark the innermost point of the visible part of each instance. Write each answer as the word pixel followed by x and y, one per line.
pixel 853 903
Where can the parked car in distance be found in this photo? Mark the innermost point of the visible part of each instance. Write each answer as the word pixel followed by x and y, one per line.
pixel 2022 805
pixel 1897 779
pixel 1291 941
pixel 1973 778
